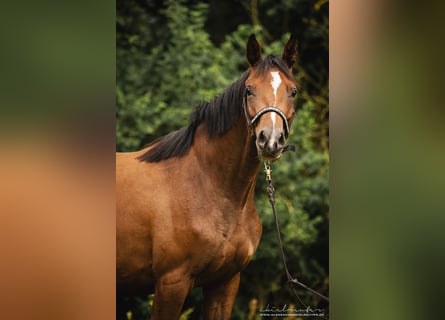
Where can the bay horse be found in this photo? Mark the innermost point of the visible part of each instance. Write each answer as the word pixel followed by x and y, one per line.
pixel 185 204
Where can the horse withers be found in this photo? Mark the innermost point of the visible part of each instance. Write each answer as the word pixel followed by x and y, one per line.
pixel 185 204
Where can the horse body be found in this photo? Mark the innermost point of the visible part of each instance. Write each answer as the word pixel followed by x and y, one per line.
pixel 187 218
pixel 202 238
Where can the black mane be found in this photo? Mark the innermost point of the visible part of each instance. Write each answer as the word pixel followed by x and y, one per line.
pixel 220 115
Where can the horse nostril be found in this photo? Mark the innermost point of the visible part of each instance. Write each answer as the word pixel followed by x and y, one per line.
pixel 262 138
pixel 281 140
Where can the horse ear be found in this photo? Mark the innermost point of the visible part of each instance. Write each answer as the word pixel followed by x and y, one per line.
pixel 253 50
pixel 290 51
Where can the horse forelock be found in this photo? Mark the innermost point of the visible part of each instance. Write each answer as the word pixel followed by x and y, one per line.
pixel 263 67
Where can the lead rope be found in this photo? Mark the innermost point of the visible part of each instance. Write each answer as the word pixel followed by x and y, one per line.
pixel 271 193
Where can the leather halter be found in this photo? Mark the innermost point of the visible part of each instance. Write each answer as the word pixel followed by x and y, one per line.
pixel 251 122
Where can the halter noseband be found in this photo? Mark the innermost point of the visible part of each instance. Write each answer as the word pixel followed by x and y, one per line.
pixel 251 122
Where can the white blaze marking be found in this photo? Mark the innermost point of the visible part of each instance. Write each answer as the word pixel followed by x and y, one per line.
pixel 273 116
pixel 276 81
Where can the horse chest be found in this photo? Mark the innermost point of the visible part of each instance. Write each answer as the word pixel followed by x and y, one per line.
pixel 237 251
pixel 231 251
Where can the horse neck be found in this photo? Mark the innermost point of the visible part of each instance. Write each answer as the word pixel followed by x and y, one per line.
pixel 231 160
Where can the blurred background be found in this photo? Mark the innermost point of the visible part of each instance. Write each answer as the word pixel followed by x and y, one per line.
pixel 171 55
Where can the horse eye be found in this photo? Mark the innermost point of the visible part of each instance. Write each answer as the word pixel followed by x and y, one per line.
pixel 294 92
pixel 249 90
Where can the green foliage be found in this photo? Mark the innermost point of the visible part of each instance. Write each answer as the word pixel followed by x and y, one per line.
pixel 185 315
pixel 157 90
pixel 167 64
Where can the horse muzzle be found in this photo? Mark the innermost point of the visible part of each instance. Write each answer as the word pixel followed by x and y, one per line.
pixel 270 143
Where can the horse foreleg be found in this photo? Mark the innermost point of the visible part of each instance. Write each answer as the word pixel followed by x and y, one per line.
pixel 170 293
pixel 219 299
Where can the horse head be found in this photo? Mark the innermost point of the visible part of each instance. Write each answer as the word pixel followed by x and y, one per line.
pixel 270 90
